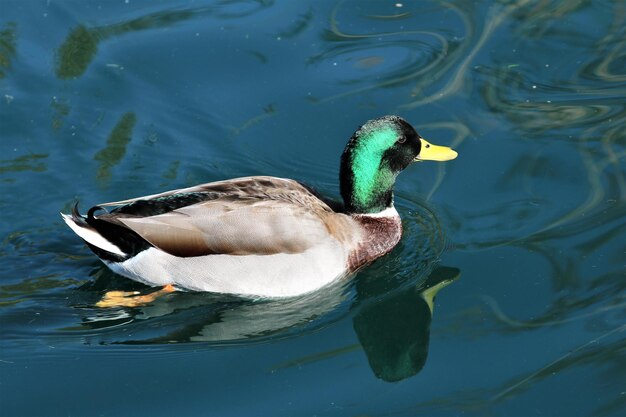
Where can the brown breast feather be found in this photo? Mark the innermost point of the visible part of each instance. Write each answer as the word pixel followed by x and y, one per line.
pixel 380 236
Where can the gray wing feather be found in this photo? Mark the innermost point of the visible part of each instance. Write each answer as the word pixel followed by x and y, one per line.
pixel 253 215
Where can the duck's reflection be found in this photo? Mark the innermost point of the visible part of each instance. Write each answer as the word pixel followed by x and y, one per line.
pixel 392 325
pixel 394 331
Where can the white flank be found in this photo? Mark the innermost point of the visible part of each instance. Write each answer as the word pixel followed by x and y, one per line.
pixel 92 236
pixel 272 276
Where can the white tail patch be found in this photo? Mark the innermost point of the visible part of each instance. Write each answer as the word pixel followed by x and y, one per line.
pixel 92 236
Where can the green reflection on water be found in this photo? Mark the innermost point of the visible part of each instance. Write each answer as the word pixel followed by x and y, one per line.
pixel 172 171
pixel 16 293
pixel 60 109
pixel 33 162
pixel 8 40
pixel 81 45
pixel 77 52
pixel 115 148
pixel 395 331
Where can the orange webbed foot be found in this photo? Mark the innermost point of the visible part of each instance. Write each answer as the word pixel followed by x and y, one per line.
pixel 132 298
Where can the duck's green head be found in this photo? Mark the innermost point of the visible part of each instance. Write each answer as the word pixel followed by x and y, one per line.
pixel 376 153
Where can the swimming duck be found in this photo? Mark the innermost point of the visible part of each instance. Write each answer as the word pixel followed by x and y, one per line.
pixel 262 236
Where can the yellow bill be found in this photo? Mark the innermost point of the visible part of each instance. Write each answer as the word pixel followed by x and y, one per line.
pixel 430 152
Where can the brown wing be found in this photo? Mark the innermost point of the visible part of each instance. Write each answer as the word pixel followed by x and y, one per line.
pixel 246 216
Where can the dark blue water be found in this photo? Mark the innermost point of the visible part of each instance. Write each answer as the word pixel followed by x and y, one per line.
pixel 106 100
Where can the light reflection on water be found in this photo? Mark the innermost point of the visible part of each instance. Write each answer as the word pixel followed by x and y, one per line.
pixel 108 101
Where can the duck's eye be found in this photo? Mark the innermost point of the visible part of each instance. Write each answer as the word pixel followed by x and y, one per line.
pixel 402 139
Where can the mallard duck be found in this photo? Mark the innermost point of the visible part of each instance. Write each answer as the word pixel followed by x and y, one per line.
pixel 263 236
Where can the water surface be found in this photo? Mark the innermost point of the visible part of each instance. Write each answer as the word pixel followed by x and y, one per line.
pixel 106 100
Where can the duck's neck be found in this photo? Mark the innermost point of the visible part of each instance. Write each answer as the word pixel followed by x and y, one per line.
pixel 366 183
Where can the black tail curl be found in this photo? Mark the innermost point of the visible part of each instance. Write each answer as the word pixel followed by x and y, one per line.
pixel 90 216
pixel 77 217
pixel 127 240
